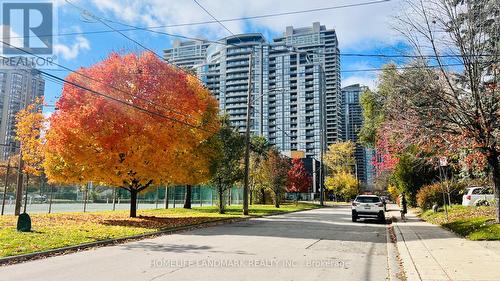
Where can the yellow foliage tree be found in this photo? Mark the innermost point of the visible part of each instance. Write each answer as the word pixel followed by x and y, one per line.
pixel 30 124
pixel 340 157
pixel 393 191
pixel 343 183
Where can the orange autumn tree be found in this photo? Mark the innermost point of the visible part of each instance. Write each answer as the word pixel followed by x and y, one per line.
pixel 150 141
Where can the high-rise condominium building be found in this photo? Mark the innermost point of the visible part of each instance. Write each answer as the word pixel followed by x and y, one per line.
pixel 351 123
pixel 187 54
pixel 19 86
pixel 294 84
pixel 322 45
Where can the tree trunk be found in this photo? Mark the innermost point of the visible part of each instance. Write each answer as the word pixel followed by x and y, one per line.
pixel 495 167
pixel 51 196
pixel 133 203
pixel 221 200
pixel 26 194
pixel 114 198
pixel 187 197
pixel 166 197
pixel 19 189
pixel 157 197
pixel 263 196
pixel 277 199
pixel 251 197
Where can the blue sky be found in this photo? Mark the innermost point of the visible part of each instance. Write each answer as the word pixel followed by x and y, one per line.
pixel 362 30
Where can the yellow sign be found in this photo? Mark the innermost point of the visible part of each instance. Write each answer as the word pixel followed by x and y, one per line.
pixel 297 154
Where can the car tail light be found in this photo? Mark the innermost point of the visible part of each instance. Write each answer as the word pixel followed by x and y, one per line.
pixel 354 204
pixel 380 204
pixel 468 197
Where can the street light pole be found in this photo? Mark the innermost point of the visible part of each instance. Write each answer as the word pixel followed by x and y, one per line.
pixel 356 173
pixel 247 137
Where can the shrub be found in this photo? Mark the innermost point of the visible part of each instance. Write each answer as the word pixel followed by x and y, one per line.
pixel 433 194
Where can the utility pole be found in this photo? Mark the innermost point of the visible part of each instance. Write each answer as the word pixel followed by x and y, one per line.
pixel 6 184
pixel 19 188
pixel 321 194
pixel 322 148
pixel 247 137
pixel 356 173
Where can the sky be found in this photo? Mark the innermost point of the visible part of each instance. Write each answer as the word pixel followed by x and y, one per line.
pixel 364 29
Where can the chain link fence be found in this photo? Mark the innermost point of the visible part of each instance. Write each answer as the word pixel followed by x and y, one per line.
pixel 43 198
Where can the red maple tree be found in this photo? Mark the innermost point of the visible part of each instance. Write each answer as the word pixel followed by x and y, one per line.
pixel 299 179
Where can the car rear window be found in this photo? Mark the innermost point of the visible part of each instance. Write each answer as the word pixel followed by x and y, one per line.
pixel 477 191
pixel 367 199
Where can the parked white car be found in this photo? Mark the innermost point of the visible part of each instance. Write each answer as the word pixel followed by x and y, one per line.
pixel 368 206
pixel 477 195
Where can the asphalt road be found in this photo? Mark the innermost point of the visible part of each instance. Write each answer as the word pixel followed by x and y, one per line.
pixel 320 244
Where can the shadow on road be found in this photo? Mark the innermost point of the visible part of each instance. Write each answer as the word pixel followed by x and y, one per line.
pixel 152 222
pixel 323 223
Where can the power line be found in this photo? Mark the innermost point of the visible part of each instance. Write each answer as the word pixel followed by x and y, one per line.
pixel 220 42
pixel 375 69
pixel 124 102
pixel 151 29
pixel 213 17
pixel 88 13
pixel 211 22
pixel 401 68
pixel 157 114
pixel 100 81
pixel 296 52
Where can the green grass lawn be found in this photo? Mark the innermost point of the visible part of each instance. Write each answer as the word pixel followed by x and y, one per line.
pixel 51 231
pixel 474 223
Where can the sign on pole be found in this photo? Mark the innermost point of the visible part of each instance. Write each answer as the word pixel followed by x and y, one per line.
pixel 443 161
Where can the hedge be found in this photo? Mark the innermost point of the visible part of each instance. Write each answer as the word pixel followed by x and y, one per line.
pixel 432 194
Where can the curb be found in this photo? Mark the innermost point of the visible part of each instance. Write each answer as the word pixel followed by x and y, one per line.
pixel 116 241
pixel 410 270
pixel 393 268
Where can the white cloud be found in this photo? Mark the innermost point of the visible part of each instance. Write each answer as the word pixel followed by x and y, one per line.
pixel 369 80
pixel 15 39
pixel 356 27
pixel 47 114
pixel 69 52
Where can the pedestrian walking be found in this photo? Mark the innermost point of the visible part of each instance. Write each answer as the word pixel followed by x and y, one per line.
pixel 404 207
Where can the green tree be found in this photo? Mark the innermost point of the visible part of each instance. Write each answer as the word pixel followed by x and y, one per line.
pixel 226 167
pixel 411 173
pixel 372 117
pixel 259 147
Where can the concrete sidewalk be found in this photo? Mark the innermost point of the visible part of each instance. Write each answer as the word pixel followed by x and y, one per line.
pixel 429 252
